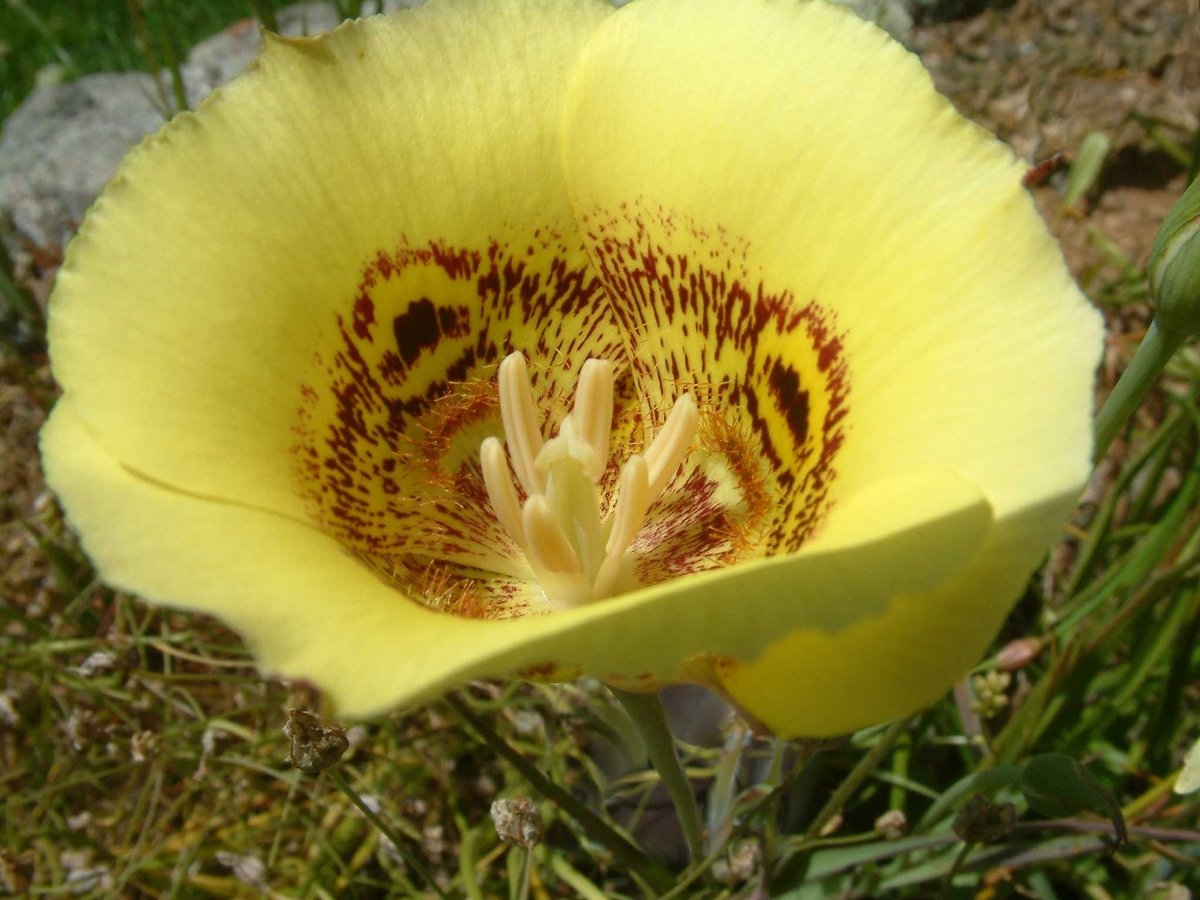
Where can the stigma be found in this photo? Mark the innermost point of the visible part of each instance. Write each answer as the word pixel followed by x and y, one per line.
pixel 578 551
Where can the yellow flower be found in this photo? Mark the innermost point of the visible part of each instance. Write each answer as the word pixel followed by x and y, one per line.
pixel 279 330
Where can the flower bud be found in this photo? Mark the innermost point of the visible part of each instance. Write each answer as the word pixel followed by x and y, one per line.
pixel 1174 268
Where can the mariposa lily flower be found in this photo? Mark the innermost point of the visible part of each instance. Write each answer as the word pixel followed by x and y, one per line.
pixel 695 341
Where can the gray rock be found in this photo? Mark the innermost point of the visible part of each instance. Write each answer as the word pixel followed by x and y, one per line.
pixel 63 144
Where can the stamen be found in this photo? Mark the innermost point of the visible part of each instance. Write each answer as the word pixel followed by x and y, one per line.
pixel 546 541
pixel 593 410
pixel 633 501
pixel 505 502
pixel 672 444
pixel 521 430
pixel 577 556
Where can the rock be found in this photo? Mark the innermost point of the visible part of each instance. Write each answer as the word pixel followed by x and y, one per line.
pixel 63 144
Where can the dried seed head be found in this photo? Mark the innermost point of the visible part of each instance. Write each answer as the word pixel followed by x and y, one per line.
pixel 518 822
pixel 314 746
pixel 101 662
pixel 981 821
pixel 143 746
pixel 892 825
pixel 249 870
pixel 740 865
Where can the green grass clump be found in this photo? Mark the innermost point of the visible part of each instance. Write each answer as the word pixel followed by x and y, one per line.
pixel 104 36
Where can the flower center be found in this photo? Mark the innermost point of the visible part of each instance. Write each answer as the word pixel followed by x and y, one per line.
pixel 578 553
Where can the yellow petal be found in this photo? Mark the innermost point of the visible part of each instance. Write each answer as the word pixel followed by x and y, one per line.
pixel 205 287
pixel 814 154
pixel 821 681
pixel 310 610
pixel 740 162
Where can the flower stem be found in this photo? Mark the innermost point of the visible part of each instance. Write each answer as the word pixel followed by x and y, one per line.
pixel 1148 361
pixel 400 843
pixel 647 713
pixel 622 849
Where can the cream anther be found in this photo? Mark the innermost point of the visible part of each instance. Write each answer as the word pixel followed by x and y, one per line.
pixel 668 450
pixel 633 501
pixel 593 411
pixel 520 418
pixel 577 555
pixel 505 502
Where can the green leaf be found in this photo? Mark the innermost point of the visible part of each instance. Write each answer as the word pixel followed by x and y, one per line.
pixel 1057 786
pixel 1085 170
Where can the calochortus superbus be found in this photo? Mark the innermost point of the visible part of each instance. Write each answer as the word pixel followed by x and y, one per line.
pixel 695 341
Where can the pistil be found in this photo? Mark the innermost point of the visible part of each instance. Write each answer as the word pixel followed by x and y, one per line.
pixel 578 553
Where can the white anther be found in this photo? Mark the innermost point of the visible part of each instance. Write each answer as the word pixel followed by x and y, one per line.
pixel 500 489
pixel 546 541
pixel 593 411
pixel 521 430
pixel 671 446
pixel 633 500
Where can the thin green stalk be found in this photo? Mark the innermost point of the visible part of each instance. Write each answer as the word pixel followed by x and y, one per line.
pixel 265 13
pixel 38 25
pixel 400 843
pixel 175 67
pixel 623 850
pixel 857 776
pixel 955 868
pixel 647 713
pixel 719 802
pixel 1148 361
pixel 526 874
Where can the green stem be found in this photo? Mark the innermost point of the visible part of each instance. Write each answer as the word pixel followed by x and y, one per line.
pixel 1135 382
pixel 526 874
pixel 955 868
pixel 265 13
pixel 857 776
pixel 400 843
pixel 623 850
pixel 647 713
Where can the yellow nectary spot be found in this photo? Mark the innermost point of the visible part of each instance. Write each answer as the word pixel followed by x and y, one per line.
pixel 395 409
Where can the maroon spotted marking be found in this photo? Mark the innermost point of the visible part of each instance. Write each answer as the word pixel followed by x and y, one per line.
pixel 377 449
pixel 378 436
pixel 658 290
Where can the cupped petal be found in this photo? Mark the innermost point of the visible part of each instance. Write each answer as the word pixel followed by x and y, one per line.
pixel 862 268
pixel 208 283
pixel 311 610
pixel 817 153
pixel 823 682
